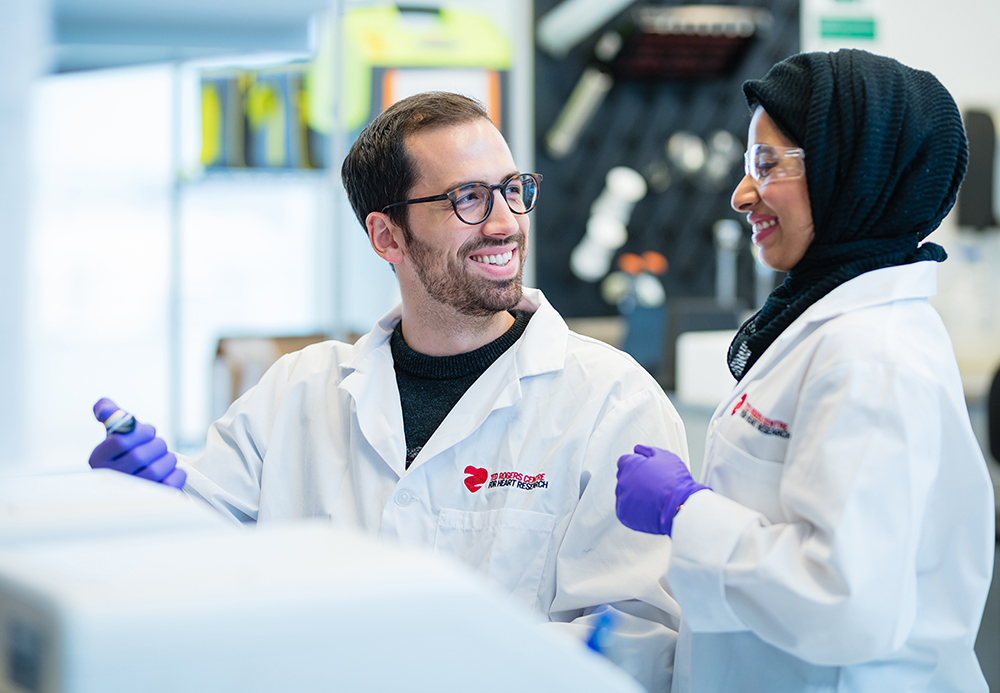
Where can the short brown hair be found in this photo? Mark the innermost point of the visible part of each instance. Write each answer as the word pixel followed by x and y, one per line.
pixel 379 170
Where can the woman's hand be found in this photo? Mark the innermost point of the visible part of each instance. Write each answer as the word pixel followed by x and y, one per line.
pixel 652 486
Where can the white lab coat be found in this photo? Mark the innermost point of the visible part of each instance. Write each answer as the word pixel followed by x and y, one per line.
pixel 321 435
pixel 848 543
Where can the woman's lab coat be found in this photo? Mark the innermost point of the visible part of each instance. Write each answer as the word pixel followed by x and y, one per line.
pixel 518 481
pixel 848 545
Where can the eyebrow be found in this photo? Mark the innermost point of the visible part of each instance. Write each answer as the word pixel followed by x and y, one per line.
pixel 462 184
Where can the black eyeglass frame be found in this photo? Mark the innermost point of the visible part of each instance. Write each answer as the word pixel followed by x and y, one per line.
pixel 451 194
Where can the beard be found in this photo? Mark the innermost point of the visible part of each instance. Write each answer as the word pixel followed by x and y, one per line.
pixel 449 281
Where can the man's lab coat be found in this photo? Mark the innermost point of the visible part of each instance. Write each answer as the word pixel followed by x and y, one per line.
pixel 848 543
pixel 518 481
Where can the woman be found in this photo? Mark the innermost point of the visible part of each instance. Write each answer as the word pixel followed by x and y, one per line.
pixel 843 537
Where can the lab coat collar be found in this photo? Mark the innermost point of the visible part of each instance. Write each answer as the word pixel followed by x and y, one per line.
pixel 369 372
pixel 917 280
pixel 372 341
pixel 544 340
pixel 884 285
pixel 541 349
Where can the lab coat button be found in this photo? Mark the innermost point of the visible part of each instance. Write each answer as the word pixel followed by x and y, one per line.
pixel 403 498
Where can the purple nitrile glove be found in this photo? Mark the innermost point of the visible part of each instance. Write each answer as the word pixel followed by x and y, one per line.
pixel 139 452
pixel 652 485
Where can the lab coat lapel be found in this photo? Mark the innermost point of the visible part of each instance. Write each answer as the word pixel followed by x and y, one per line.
pixel 497 388
pixel 371 381
pixel 541 349
pixel 885 285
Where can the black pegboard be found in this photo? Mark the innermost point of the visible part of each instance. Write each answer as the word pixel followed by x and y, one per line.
pixel 631 129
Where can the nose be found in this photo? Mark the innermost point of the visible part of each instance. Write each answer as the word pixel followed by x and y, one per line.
pixel 745 196
pixel 501 221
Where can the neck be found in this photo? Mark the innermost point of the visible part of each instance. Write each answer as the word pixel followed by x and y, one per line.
pixel 442 331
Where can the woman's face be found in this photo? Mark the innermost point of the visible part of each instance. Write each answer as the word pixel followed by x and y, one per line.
pixel 778 210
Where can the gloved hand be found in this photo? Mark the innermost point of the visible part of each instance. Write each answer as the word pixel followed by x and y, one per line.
pixel 139 452
pixel 652 485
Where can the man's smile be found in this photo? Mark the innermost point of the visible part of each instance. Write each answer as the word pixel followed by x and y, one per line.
pixel 499 259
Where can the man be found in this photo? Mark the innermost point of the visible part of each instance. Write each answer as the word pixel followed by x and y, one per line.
pixel 470 420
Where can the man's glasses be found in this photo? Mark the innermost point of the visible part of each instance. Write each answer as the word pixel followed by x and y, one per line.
pixel 766 163
pixel 474 202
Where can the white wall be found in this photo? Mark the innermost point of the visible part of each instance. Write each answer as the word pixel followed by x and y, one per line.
pixel 98 257
pixel 956 40
pixel 23 53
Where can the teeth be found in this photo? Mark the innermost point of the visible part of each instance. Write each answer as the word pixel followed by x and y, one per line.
pixel 765 224
pixel 500 260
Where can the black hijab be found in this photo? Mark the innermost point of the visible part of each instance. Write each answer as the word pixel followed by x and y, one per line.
pixel 885 154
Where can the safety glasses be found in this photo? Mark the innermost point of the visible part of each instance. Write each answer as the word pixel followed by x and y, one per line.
pixel 766 163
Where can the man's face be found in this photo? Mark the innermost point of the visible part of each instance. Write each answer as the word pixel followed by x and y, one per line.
pixel 475 270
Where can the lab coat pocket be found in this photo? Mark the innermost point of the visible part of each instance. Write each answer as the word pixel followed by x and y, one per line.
pixel 510 546
pixel 746 479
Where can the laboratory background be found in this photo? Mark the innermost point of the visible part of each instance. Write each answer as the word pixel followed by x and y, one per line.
pixel 172 218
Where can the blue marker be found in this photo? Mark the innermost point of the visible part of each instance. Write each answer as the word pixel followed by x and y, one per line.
pixel 602 634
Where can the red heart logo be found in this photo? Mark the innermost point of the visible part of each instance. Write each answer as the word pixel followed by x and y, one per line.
pixel 739 404
pixel 477 477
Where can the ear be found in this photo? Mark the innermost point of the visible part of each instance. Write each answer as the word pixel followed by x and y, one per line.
pixel 385 236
